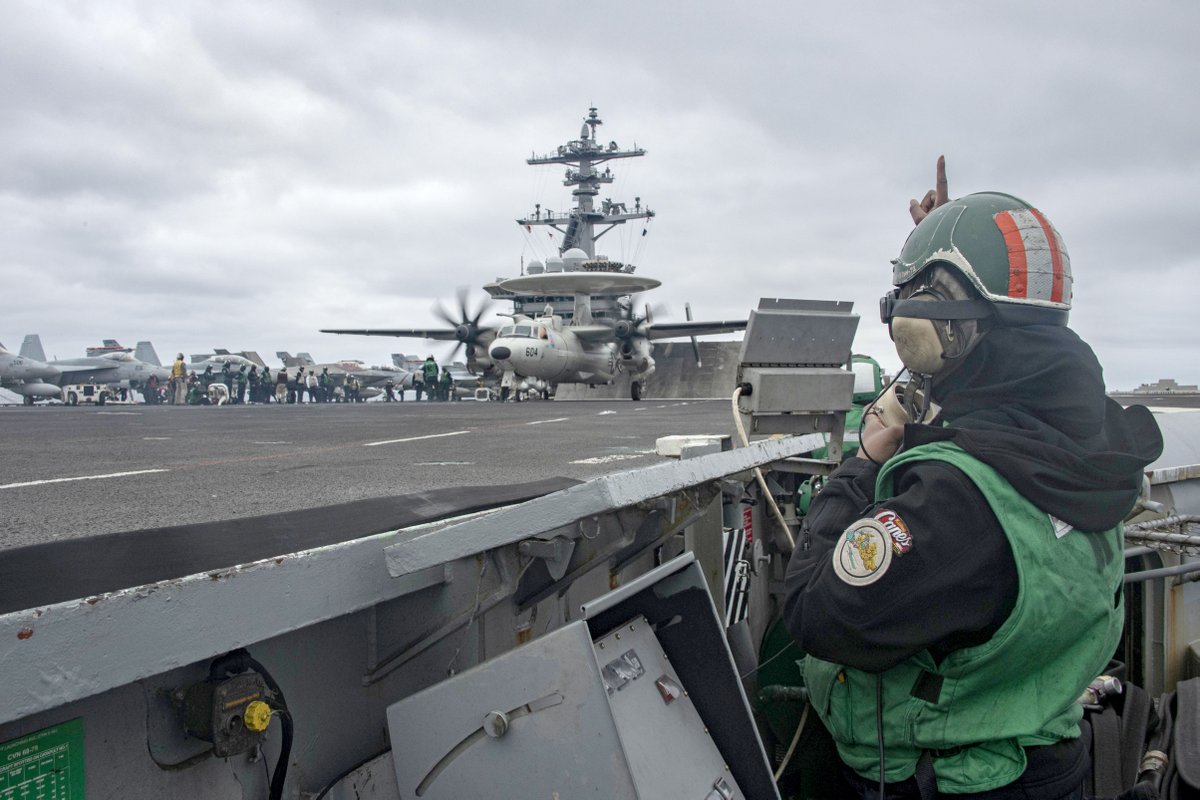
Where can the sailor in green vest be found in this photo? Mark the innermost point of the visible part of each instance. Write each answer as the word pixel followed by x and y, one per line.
pixel 958 584
pixel 429 370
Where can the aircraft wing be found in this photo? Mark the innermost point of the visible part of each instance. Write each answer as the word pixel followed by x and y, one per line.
pixel 593 333
pixel 679 330
pixel 93 371
pixel 441 334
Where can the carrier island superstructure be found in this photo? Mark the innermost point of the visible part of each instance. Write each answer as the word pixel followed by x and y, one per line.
pixel 582 226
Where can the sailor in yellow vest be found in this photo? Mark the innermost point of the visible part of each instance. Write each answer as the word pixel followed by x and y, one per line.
pixel 958 584
pixel 178 381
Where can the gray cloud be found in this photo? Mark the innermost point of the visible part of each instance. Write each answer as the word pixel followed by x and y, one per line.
pixel 240 175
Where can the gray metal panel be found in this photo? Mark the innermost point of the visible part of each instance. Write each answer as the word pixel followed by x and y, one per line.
pixel 669 750
pixel 566 749
pixel 818 390
pixel 620 595
pixel 597 496
pixel 67 651
pixel 798 338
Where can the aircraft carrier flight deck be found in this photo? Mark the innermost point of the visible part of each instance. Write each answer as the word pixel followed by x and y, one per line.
pixel 73 473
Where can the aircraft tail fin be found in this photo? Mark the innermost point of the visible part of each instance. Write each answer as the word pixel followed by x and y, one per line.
pixel 398 360
pixel 32 348
pixel 220 351
pixel 305 359
pixel 287 358
pixel 145 352
pixel 253 355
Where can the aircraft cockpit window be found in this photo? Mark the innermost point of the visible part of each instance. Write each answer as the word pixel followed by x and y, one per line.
pixel 507 330
pixel 523 330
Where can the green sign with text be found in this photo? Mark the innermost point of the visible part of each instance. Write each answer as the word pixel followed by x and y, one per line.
pixel 47 765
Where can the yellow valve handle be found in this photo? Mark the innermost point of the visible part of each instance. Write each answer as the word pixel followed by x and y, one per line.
pixel 257 716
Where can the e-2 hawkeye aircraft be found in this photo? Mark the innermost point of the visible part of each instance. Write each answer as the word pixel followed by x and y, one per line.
pixel 549 349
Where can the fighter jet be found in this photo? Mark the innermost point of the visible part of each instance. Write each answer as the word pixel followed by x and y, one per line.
pixel 116 368
pixel 30 378
pixel 372 378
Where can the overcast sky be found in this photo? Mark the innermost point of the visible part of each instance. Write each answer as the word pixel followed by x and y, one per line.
pixel 241 174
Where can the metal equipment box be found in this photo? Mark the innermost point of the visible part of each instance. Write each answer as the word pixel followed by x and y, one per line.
pixel 638 699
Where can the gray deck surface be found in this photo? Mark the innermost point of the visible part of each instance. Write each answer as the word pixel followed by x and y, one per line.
pixel 240 461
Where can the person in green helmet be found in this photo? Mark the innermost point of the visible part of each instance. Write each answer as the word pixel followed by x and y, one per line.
pixel 957 585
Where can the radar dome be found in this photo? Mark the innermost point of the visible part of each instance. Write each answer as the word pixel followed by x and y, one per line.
pixel 534 268
pixel 573 258
pixel 554 264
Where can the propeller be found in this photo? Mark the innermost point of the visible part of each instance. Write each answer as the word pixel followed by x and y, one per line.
pixel 687 310
pixel 466 325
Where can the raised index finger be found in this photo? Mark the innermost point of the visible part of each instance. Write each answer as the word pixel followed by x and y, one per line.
pixel 943 189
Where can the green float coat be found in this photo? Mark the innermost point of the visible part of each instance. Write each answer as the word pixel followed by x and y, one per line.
pixel 1017 689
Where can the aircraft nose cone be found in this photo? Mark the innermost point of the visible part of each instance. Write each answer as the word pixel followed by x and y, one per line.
pixel 500 353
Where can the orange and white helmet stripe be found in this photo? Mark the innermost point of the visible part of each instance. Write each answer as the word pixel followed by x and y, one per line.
pixel 1039 268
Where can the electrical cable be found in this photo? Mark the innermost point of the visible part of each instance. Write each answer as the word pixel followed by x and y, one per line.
pixel 325 790
pixel 762 481
pixel 862 420
pixel 787 758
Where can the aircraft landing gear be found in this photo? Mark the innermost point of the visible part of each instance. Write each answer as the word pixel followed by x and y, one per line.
pixel 635 390
pixel 28 400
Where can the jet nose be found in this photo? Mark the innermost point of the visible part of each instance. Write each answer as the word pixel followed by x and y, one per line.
pixel 500 353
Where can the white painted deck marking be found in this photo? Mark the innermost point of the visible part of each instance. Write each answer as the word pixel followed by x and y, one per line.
pixel 443 463
pixel 156 438
pixel 544 421
pixel 602 413
pixel 81 478
pixel 415 438
pixel 608 459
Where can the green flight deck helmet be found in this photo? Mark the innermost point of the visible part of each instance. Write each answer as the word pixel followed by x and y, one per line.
pixel 1004 247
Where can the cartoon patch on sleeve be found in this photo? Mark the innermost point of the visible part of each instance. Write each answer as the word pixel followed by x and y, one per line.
pixel 863 554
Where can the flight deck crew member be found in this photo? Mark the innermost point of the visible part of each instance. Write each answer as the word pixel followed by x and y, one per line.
pixel 970 570
pixel 253 381
pixel 312 383
pixel 418 381
pixel 430 372
pixel 281 386
pixel 178 381
pixel 389 391
pixel 325 385
pixel 227 379
pixel 445 384
pixel 266 386
pixel 207 378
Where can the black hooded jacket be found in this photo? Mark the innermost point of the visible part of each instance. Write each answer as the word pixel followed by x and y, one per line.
pixel 1030 403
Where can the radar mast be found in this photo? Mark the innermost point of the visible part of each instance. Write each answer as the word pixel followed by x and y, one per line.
pixel 583 157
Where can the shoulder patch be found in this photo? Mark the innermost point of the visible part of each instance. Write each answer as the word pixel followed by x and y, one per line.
pixel 863 554
pixel 901 538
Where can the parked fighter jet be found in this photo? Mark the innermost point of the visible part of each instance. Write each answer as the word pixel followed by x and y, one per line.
pixel 116 368
pixel 219 358
pixel 369 377
pixel 30 378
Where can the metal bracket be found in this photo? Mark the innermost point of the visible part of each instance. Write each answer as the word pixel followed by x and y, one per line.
pixel 555 552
